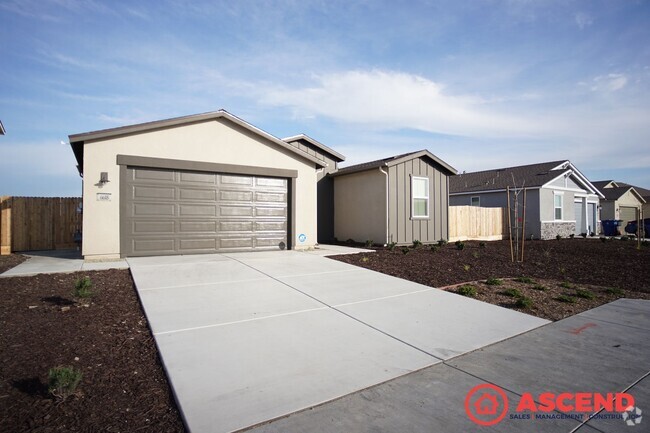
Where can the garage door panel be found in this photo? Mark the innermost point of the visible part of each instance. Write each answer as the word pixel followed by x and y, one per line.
pixel 627 214
pixel 178 212
pixel 154 209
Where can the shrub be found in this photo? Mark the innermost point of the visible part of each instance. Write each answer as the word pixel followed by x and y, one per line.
pixel 585 294
pixel 566 299
pixel 417 243
pixel 434 248
pixel 475 254
pixel 63 381
pixel 539 287
pixel 566 285
pixel 350 241
pixel 481 244
pixel 558 237
pixel 625 238
pixel 469 291
pixel 459 245
pixel 369 243
pixel 572 235
pixel 524 302
pixel 442 242
pixel 526 280
pixel 364 259
pixel 405 250
pixel 493 281
pixel 467 268
pixel 615 291
pixel 82 288
pixel 392 245
pixel 513 293
pixel 584 235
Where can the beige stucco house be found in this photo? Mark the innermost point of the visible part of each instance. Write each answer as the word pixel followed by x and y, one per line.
pixel 398 199
pixel 203 183
pixel 621 202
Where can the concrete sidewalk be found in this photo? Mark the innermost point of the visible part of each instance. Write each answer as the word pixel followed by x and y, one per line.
pixel 249 337
pixel 603 350
pixel 55 261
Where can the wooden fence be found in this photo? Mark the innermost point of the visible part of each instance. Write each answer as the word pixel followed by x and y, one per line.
pixel 477 223
pixel 38 223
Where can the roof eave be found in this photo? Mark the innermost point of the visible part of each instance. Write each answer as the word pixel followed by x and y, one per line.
pixel 338 156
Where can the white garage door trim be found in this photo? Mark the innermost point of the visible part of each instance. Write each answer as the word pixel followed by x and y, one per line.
pixel 127 161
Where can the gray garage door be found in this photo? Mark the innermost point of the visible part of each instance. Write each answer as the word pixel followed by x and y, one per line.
pixel 182 212
pixel 627 214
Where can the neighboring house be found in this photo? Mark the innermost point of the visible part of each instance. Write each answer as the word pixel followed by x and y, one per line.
pixel 645 193
pixel 2 128
pixel 398 199
pixel 559 199
pixel 196 184
pixel 621 202
pixel 325 185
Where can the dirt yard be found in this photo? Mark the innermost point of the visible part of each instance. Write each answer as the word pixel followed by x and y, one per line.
pixel 560 278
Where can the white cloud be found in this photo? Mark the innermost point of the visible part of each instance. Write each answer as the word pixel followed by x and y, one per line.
pixel 394 100
pixel 609 83
pixel 583 20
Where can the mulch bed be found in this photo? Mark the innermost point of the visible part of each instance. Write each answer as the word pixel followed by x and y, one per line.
pixel 609 270
pixel 123 388
pixel 10 261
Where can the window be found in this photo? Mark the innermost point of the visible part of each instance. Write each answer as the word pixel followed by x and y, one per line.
pixel 476 201
pixel 420 197
pixel 557 204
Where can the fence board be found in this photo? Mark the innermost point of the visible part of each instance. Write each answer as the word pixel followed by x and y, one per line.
pixel 38 223
pixel 477 223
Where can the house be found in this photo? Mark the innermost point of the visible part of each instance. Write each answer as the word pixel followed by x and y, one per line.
pixel 645 193
pixel 621 202
pixel 397 199
pixel 560 200
pixel 197 184
pixel 325 183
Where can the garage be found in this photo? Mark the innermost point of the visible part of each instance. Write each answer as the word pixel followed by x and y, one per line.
pixel 188 212
pixel 202 183
pixel 627 214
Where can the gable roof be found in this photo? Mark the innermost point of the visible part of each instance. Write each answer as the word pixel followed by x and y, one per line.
pixel 528 176
pixel 327 150
pixel 77 140
pixel 394 160
pixel 643 192
pixel 614 193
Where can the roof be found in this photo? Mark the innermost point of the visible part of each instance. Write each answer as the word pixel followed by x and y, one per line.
pixel 77 140
pixel 528 176
pixel 394 160
pixel 328 150
pixel 643 192
pixel 614 193
pixel 2 128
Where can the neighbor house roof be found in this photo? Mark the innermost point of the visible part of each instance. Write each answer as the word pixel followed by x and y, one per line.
pixel 328 150
pixel 77 140
pixel 393 160
pixel 602 184
pixel 2 128
pixel 522 176
pixel 614 193
pixel 643 192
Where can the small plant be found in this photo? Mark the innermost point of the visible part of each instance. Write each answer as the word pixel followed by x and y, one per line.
pixel 481 244
pixel 526 280
pixel 524 302
pixel 614 291
pixel 391 246
pixel 558 237
pixel 539 287
pixel 442 242
pixel 434 248
pixel 467 290
pixel 562 270
pixel 566 299
pixel 63 381
pixel 475 254
pixel 645 243
pixel 585 294
pixel 513 293
pixel 350 241
pixel 82 288
pixel 566 285
pixel 369 243
pixel 467 268
pixel 405 250
pixel 625 238
pixel 365 259
pixel 584 235
pixel 459 245
pixel 603 239
pixel 493 281
pixel 417 244
pixel 572 235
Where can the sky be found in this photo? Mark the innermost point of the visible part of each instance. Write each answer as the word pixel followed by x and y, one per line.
pixel 481 84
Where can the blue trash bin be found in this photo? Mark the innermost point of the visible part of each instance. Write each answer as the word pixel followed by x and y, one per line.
pixel 610 227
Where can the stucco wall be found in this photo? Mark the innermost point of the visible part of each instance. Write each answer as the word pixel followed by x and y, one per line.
pixel 360 206
pixel 217 141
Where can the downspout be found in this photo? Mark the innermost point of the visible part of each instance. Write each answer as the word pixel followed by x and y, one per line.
pixel 387 213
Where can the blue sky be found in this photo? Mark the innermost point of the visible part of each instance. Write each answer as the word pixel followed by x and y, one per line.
pixel 481 84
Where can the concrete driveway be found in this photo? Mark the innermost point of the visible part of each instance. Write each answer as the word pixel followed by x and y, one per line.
pixel 250 337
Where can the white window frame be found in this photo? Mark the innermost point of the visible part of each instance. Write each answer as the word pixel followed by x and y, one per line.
pixel 561 207
pixel 414 197
pixel 471 201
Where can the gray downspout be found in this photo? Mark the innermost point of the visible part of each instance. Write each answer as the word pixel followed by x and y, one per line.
pixel 387 212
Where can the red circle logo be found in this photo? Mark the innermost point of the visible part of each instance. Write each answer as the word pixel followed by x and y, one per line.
pixel 486 404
